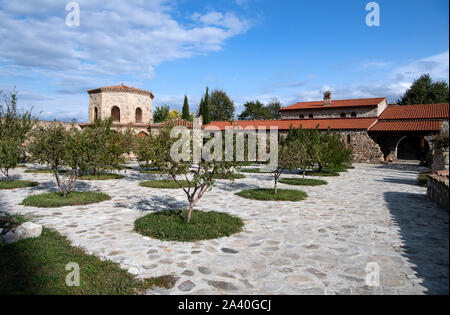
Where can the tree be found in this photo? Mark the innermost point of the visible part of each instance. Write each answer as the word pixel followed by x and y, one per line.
pixel 161 114
pixel 175 114
pixel 221 106
pixel 145 150
pixel 425 91
pixel 58 147
pixel 200 177
pixel 255 111
pixel 186 114
pixel 14 127
pixel 274 108
pixel 204 108
pixel 103 147
pixel 288 158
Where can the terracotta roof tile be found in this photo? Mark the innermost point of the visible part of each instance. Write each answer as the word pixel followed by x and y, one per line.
pixel 427 111
pixel 334 124
pixel 121 88
pixel 336 103
pixel 407 125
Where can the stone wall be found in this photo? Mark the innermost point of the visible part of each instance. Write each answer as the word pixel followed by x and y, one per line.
pixel 438 188
pixel 127 104
pixel 361 112
pixel 365 149
pixel 440 159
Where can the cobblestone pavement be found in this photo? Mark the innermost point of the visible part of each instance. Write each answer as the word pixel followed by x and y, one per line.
pixel 372 214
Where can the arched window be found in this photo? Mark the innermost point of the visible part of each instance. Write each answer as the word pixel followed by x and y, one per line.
pixel 349 139
pixel 138 115
pixel 95 114
pixel 343 115
pixel 354 115
pixel 115 114
pixel 302 116
pixel 311 116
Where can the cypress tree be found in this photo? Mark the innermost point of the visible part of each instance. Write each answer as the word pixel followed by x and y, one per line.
pixel 186 113
pixel 206 110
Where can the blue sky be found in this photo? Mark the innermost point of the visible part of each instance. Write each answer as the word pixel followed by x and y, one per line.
pixel 253 49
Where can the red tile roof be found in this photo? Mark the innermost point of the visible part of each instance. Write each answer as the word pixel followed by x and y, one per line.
pixel 334 124
pixel 336 103
pixel 429 111
pixel 121 88
pixel 405 125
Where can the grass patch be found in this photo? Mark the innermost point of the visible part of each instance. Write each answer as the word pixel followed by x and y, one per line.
pixel 55 200
pixel 302 182
pixel 254 171
pixel 163 184
pixel 422 179
pixel 269 195
pixel 234 176
pixel 13 184
pixel 172 226
pixel 152 172
pixel 37 267
pixel 43 171
pixel 323 173
pixel 101 176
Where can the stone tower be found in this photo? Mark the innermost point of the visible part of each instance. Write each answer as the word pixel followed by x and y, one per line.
pixel 122 103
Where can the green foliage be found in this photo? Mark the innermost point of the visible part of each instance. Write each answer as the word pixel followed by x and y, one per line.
pixel 422 179
pixel 186 115
pixel 269 194
pixel 258 111
pixel 199 176
pixel 161 114
pixel 13 184
pixel 103 147
pixel 164 184
pixel 37 266
pixel 14 128
pixel 57 146
pixel 441 140
pixel 205 109
pixel 56 200
pixel 222 107
pixel 425 91
pixel 171 226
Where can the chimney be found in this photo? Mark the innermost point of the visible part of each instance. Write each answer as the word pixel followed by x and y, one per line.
pixel 327 98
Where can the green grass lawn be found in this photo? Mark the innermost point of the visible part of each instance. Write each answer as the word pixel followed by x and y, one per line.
pixel 37 267
pixel 422 179
pixel 55 200
pixel 254 171
pixel 324 173
pixel 152 172
pixel 302 182
pixel 269 195
pixel 234 176
pixel 172 225
pixel 13 184
pixel 163 184
pixel 101 176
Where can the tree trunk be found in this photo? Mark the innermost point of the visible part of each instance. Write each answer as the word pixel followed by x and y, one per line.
pixel 58 181
pixel 304 174
pixel 320 167
pixel 191 207
pixel 276 187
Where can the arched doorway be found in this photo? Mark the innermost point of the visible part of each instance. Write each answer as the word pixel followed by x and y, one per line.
pixel 95 114
pixel 412 148
pixel 115 114
pixel 138 115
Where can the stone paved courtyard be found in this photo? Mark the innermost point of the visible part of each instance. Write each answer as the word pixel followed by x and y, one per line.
pixel 322 245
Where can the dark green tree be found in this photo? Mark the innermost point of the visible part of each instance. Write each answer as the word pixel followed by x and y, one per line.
pixel 206 114
pixel 274 108
pixel 186 115
pixel 221 106
pixel 162 114
pixel 14 127
pixel 426 91
pixel 255 111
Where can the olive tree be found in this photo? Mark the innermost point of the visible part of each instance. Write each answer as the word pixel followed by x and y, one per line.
pixel 199 174
pixel 59 147
pixel 14 127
